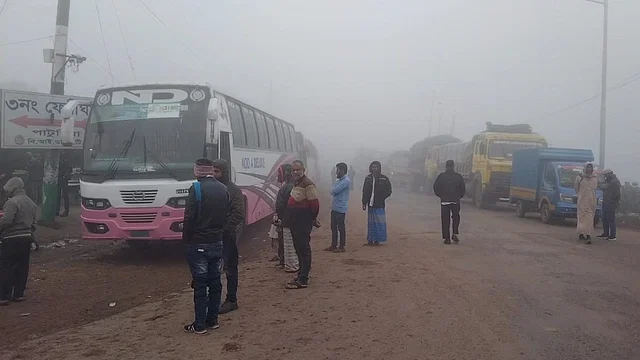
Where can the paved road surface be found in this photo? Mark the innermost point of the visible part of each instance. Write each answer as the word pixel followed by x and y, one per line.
pixel 513 289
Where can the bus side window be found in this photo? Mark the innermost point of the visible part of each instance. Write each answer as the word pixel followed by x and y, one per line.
pixel 287 137
pixel 251 128
pixel 482 148
pixel 239 136
pixel 292 134
pixel 281 138
pixel 273 137
pixel 262 131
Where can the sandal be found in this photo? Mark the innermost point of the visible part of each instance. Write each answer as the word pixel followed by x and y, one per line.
pixel 290 270
pixel 275 258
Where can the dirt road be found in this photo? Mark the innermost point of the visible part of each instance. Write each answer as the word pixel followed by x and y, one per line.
pixel 513 289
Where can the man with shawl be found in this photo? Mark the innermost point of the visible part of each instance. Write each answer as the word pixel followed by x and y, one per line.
pixel 286 249
pixel 375 191
pixel 586 184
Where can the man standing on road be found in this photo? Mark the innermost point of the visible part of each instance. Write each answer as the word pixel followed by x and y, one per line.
pixel 302 209
pixel 375 192
pixel 449 187
pixel 610 202
pixel 205 217
pixel 235 218
pixel 339 206
pixel 16 229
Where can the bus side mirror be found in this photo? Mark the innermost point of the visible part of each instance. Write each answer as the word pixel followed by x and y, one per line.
pixel 68 123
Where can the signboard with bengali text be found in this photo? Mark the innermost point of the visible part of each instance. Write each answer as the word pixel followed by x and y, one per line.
pixel 32 120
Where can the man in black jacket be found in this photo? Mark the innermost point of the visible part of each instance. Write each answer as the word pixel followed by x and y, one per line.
pixel 610 202
pixel 235 218
pixel 205 217
pixel 375 192
pixel 449 187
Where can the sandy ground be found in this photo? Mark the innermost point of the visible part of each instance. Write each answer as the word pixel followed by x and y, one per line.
pixel 513 289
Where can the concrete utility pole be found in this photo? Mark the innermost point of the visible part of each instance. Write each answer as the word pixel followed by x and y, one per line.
pixel 433 103
pixel 52 159
pixel 603 98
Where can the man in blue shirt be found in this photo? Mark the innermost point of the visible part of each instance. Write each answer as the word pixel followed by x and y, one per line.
pixel 340 192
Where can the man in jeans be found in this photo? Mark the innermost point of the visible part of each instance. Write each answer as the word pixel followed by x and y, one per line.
pixel 230 249
pixel 610 202
pixel 205 216
pixel 339 206
pixel 449 187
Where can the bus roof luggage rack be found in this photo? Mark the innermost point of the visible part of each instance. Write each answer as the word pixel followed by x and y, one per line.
pixel 511 129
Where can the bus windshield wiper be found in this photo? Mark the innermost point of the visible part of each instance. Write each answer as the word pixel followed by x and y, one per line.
pixel 157 160
pixel 114 165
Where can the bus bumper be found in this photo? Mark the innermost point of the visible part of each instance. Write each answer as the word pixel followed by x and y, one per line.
pixel 163 223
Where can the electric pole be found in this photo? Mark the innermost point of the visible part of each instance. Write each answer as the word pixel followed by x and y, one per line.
pixel 52 159
pixel 433 102
pixel 603 98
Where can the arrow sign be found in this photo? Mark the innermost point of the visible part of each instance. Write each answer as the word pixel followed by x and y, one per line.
pixel 25 121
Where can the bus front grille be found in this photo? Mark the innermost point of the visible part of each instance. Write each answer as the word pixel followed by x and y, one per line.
pixel 139 218
pixel 138 197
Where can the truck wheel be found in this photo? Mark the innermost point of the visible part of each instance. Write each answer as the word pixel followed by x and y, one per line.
pixel 479 197
pixel 545 213
pixel 521 209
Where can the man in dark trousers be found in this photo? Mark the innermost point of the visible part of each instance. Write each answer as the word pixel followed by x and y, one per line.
pixel 234 219
pixel 449 187
pixel 610 202
pixel 16 229
pixel 205 217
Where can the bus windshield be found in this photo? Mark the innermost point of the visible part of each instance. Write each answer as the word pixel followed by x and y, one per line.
pixel 504 149
pixel 132 139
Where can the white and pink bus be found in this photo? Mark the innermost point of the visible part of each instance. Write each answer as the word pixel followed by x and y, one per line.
pixel 140 145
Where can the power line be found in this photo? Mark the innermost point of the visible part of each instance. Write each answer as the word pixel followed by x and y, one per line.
pixel 3 6
pixel 167 28
pixel 124 40
pixel 25 41
pixel 104 42
pixel 629 80
pixel 91 58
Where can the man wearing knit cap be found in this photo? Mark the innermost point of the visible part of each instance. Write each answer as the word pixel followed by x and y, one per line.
pixel 230 249
pixel 205 216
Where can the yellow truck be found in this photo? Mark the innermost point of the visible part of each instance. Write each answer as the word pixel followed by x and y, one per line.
pixel 485 161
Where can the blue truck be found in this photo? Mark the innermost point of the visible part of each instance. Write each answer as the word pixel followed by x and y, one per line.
pixel 542 180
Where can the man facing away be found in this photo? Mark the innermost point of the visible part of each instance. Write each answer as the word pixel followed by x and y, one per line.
pixel 449 187
pixel 16 229
pixel 205 217
pixel 340 192
pixel 610 202
pixel 230 248
pixel 302 209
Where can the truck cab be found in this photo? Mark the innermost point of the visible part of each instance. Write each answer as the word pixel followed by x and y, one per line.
pixel 543 181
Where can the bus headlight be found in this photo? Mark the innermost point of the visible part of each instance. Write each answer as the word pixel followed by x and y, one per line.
pixel 566 198
pixel 96 204
pixel 177 202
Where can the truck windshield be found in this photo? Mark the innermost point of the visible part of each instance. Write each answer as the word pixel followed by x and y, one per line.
pixel 132 140
pixel 504 149
pixel 568 174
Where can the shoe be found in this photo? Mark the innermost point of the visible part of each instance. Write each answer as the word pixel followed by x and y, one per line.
pixel 331 248
pixel 213 325
pixel 612 238
pixel 581 237
pixel 603 236
pixel 18 299
pixel 296 284
pixel 4 302
pixel 455 238
pixel 342 249
pixel 228 307
pixel 190 329
pixel 447 242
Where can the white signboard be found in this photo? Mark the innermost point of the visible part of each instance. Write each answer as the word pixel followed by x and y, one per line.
pixel 32 120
